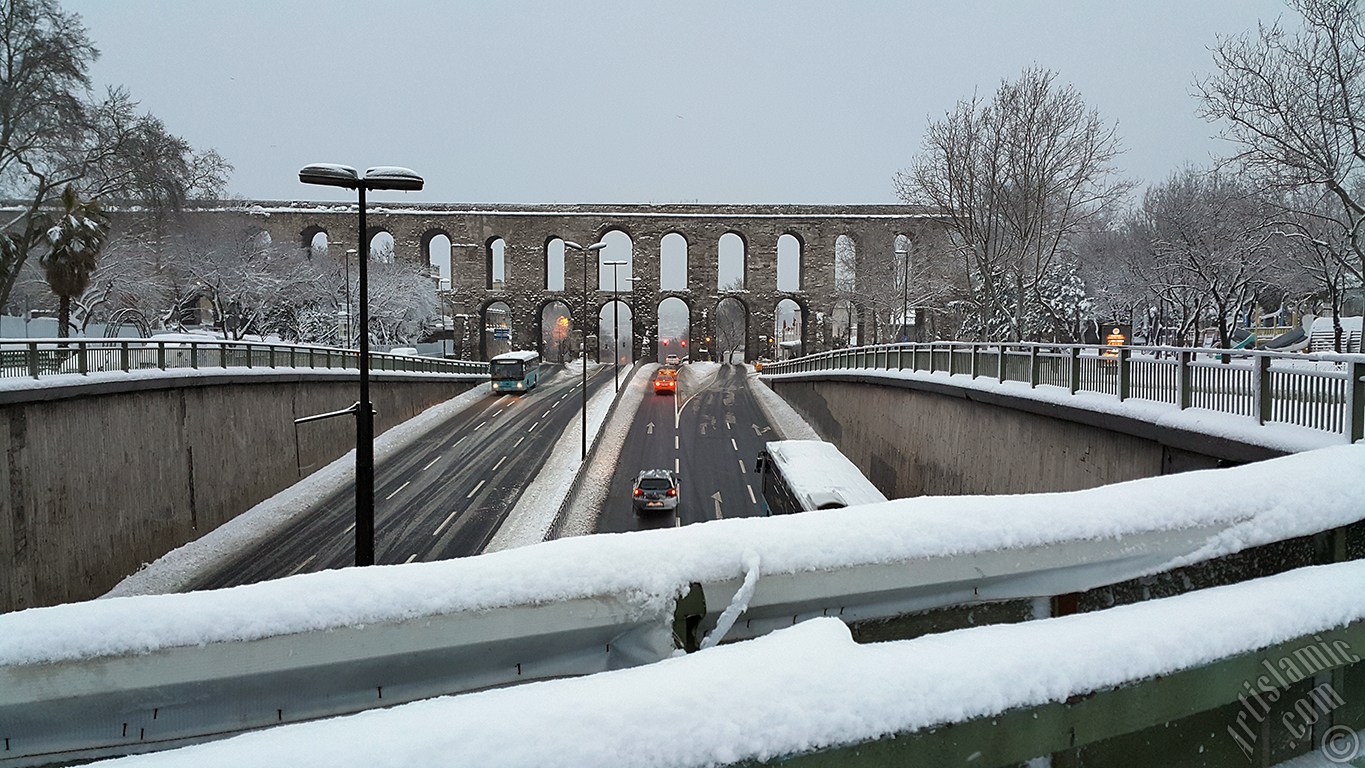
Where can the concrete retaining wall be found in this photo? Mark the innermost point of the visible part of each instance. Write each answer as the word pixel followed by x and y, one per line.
pixel 912 440
pixel 96 484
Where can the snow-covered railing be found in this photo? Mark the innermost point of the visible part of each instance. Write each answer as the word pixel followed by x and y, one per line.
pixel 141 673
pixel 1322 391
pixel 1247 674
pixel 38 358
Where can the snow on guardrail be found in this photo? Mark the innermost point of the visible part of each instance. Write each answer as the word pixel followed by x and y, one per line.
pixel 868 558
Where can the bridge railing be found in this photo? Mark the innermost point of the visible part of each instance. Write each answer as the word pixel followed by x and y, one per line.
pixel 40 358
pixel 127 675
pixel 1323 392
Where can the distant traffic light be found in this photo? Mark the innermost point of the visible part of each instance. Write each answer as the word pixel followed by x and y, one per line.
pixel 683 342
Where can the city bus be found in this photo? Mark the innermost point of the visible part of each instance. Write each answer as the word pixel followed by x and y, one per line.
pixel 801 475
pixel 514 371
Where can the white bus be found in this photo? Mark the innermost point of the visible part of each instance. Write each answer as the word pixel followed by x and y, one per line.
pixel 514 371
pixel 801 475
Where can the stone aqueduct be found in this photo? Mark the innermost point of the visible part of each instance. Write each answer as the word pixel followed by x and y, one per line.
pixel 527 230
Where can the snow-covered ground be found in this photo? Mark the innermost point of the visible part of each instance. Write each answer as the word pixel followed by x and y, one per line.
pixel 806 687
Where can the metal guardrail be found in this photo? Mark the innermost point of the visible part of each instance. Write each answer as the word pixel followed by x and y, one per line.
pixel 136 701
pixel 1321 392
pixel 39 358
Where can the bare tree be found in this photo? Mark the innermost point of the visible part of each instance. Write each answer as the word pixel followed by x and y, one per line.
pixel 1015 178
pixel 1320 250
pixel 54 134
pixel 1293 103
pixel 1209 235
pixel 905 288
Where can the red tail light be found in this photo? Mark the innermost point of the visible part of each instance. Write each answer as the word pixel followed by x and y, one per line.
pixel 639 492
pixel 672 491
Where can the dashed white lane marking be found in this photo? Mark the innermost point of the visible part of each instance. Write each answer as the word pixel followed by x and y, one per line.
pixel 444 523
pixel 751 494
pixel 476 429
pixel 411 557
pixel 429 463
pixel 547 413
pixel 476 489
pixel 533 427
pixel 518 442
pixel 499 464
pixel 303 564
pixel 676 468
pixel 733 444
pixel 400 489
pixel 742 470
pixel 350 528
pixel 675 442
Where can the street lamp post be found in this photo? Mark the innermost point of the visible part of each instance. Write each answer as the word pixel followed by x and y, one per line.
pixel 615 320
pixel 349 251
pixel 384 177
pixel 905 294
pixel 583 358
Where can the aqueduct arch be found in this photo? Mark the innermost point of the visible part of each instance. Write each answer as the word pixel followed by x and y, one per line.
pixel 523 233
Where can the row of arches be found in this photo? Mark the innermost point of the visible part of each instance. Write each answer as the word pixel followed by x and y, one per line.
pixel 725 335
pixel 615 269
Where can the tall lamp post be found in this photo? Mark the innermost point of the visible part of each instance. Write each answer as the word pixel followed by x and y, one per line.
pixel 583 358
pixel 905 294
pixel 616 319
pixel 384 177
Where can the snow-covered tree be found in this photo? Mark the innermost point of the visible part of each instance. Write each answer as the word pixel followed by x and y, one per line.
pixel 1015 178
pixel 74 240
pixel 1294 104
pixel 55 133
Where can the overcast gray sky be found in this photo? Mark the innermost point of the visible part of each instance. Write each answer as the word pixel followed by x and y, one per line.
pixel 640 102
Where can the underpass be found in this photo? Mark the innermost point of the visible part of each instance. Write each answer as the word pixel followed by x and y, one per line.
pixel 442 496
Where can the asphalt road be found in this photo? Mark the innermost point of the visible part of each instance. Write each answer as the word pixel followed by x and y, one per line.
pixel 710 433
pixel 441 497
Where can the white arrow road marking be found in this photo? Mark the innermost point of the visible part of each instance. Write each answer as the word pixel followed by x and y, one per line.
pixel 716 498
pixel 649 428
pixel 758 431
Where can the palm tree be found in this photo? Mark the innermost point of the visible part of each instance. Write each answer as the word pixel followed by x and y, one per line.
pixel 75 240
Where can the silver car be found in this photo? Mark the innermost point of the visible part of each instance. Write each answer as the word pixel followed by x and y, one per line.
pixel 655 490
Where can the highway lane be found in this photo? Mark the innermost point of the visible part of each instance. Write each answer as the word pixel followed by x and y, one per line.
pixel 442 496
pixel 709 433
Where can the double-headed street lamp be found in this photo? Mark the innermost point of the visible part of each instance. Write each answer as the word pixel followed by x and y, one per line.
pixel 583 358
pixel 383 177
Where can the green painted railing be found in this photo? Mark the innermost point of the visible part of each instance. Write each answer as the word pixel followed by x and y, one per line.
pixel 1322 392
pixel 40 358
